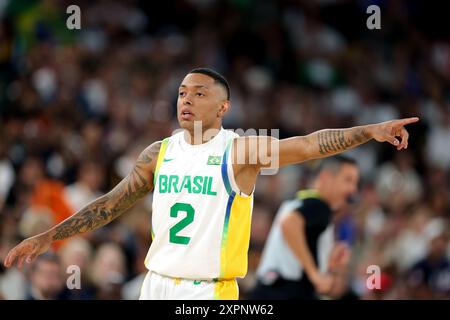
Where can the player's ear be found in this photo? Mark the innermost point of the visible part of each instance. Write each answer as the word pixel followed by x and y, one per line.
pixel 223 108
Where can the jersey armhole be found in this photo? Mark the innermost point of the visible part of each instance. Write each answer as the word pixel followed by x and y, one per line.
pixel 230 172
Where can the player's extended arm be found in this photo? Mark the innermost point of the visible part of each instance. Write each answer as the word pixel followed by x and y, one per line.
pixel 328 142
pixel 97 213
pixel 293 229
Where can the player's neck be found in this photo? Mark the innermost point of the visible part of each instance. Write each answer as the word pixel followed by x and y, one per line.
pixel 196 137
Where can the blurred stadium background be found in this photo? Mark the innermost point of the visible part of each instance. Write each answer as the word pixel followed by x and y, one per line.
pixel 77 106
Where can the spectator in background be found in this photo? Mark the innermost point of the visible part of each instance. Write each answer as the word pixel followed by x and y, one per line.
pixel 438 152
pixel 410 242
pixel 398 182
pixel 7 174
pixel 138 222
pixel 87 187
pixel 47 195
pixel 39 192
pixel 109 271
pixel 46 279
pixel 429 278
pixel 13 284
pixel 78 252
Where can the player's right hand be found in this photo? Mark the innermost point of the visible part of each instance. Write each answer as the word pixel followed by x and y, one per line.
pixel 389 130
pixel 28 250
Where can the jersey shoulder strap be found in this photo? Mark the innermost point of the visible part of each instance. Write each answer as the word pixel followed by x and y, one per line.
pixel 162 152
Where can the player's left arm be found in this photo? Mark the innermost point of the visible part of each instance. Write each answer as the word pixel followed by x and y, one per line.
pixel 329 142
pixel 101 211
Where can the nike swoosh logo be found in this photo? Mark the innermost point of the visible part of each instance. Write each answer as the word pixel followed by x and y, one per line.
pixel 167 160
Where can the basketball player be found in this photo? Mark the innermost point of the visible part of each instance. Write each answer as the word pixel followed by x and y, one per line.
pixel 203 196
pixel 300 259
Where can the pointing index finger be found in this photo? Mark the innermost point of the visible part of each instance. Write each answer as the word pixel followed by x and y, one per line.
pixel 406 121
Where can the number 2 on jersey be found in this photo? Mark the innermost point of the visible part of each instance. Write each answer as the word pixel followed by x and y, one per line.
pixel 177 207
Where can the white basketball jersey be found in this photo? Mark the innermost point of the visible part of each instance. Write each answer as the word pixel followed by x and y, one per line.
pixel 200 220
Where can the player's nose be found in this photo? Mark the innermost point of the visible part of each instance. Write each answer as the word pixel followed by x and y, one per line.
pixel 187 101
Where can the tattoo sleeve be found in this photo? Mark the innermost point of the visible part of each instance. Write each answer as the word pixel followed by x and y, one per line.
pixel 331 141
pixel 111 205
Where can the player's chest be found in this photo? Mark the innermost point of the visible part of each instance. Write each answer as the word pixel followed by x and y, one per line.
pixel 190 174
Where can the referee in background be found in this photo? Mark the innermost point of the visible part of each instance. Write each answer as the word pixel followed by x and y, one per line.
pixel 301 259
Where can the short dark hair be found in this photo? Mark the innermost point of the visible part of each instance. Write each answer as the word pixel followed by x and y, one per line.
pixel 216 76
pixel 334 163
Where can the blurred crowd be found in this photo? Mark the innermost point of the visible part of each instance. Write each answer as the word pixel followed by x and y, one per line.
pixel 78 106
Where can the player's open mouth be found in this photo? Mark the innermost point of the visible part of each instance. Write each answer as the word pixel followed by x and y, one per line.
pixel 186 115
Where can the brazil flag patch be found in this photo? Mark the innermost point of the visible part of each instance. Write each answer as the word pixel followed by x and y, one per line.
pixel 214 160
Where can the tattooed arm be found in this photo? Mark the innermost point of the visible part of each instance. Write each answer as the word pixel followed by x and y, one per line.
pixel 262 151
pixel 252 153
pixel 108 207
pixel 96 214
pixel 323 143
pixel 328 142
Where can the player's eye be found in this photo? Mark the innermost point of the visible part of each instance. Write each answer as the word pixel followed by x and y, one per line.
pixel 182 94
pixel 199 94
